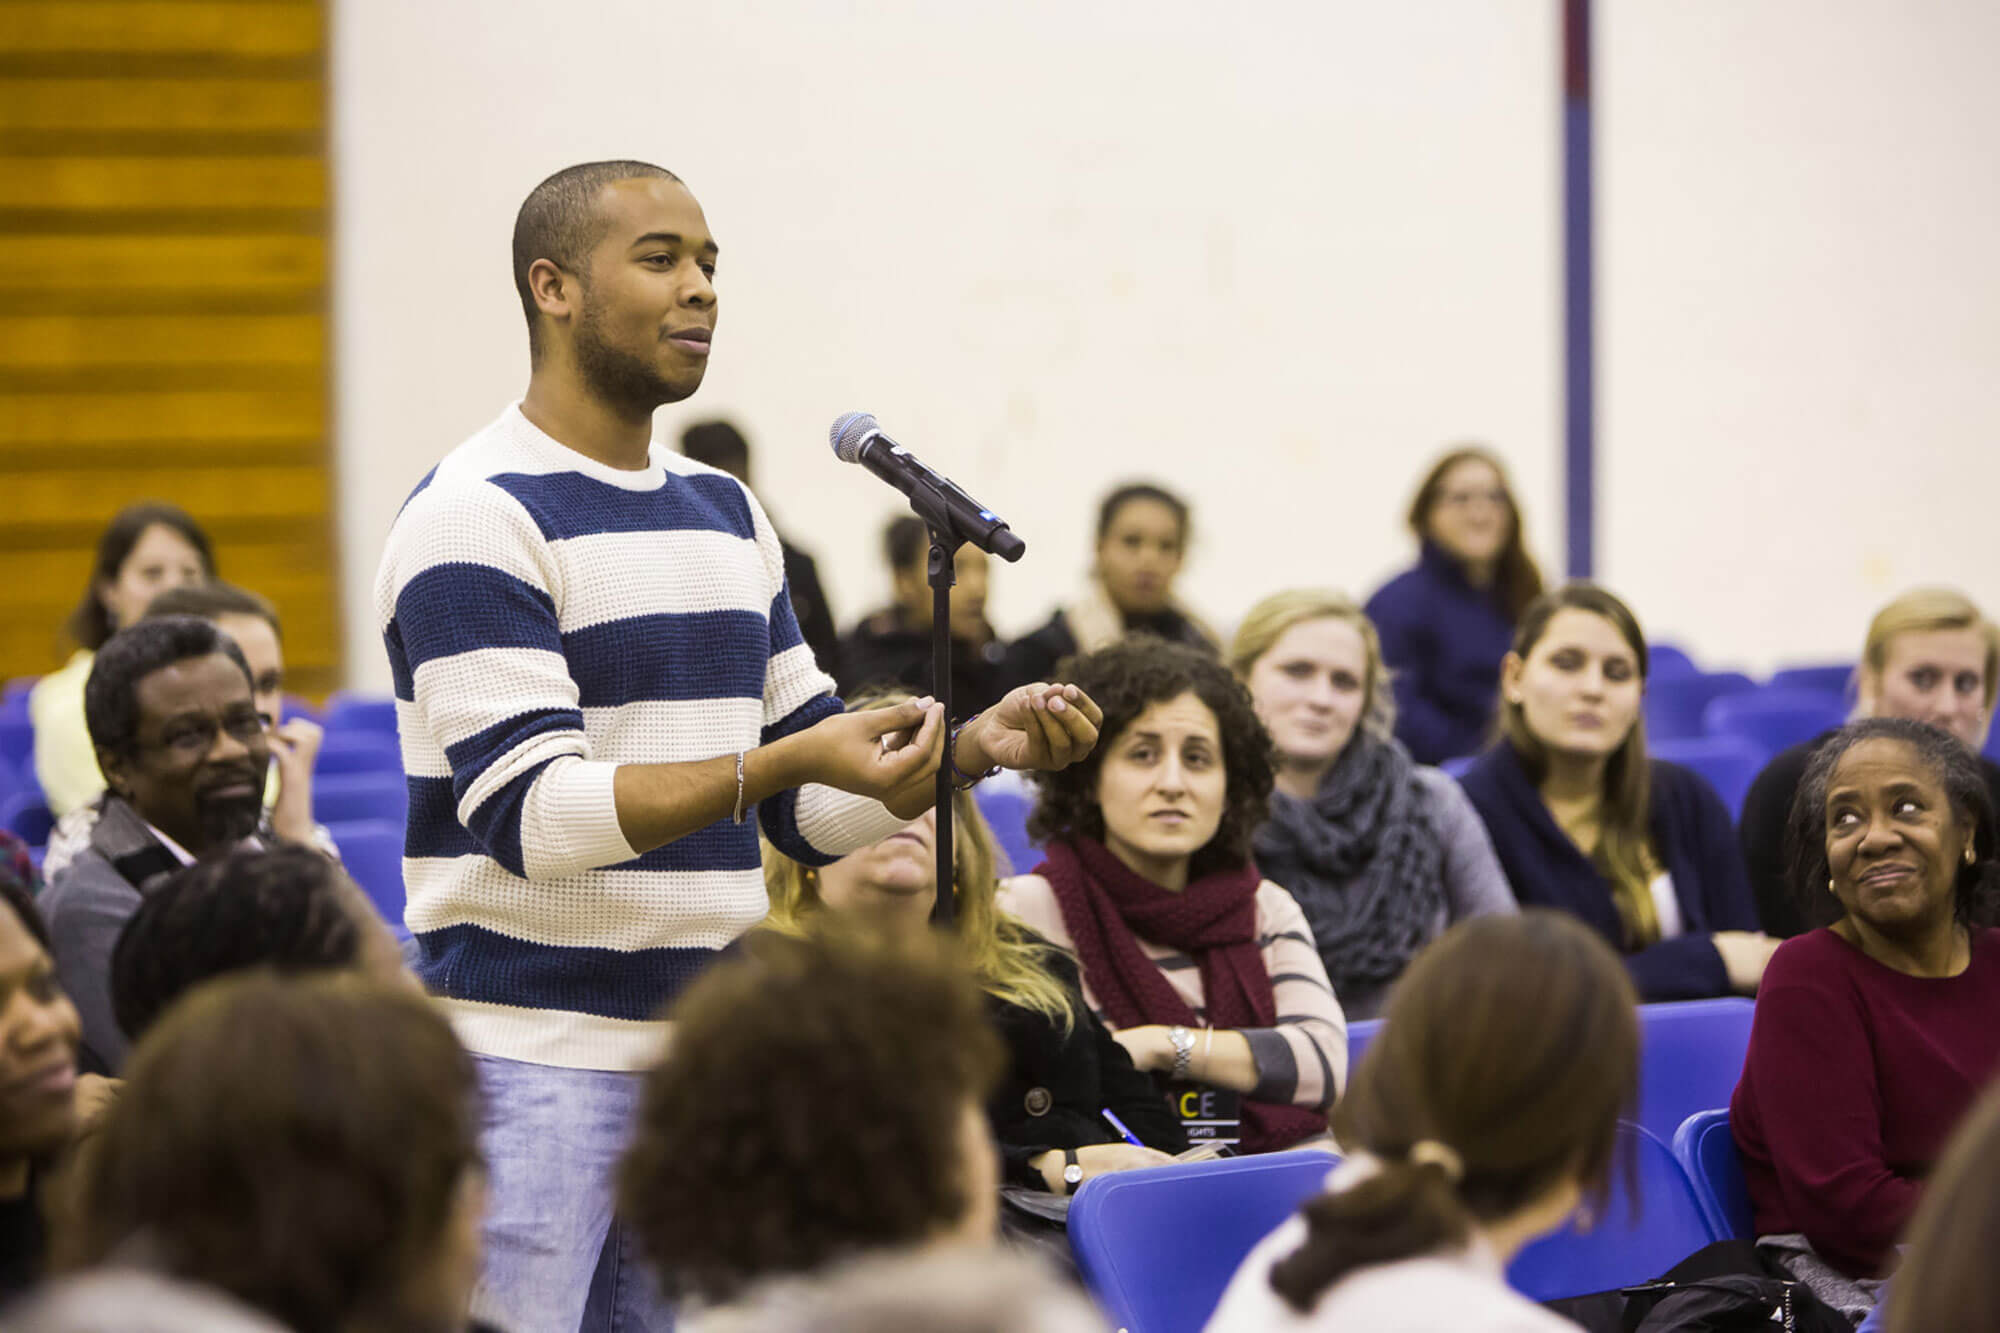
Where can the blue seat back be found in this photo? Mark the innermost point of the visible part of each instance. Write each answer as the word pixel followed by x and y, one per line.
pixel 1674 704
pixel 1359 1033
pixel 1774 719
pixel 1830 679
pixel 17 740
pixel 1707 1152
pixel 28 816
pixel 1690 1058
pixel 1727 763
pixel 372 852
pixel 361 712
pixel 1622 1248
pixel 359 752
pixel 1992 750
pixel 1665 660
pixel 346 797
pixel 1005 806
pixel 1157 1247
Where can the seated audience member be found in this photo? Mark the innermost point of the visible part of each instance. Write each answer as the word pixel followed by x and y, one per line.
pixel 1948 1278
pixel 294 743
pixel 1142 537
pixel 1063 1068
pixel 1872 1035
pixel 957 1291
pixel 146 549
pixel 1446 624
pixel 39 1031
pixel 180 740
pixel 1482 1116
pixel 1380 852
pixel 1205 970
pixel 892 648
pixel 721 445
pixel 820 1100
pixel 1931 657
pixel 287 909
pixel 125 1300
pixel 306 1146
pixel 1583 820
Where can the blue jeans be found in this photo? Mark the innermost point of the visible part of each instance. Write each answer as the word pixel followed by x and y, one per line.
pixel 552 1139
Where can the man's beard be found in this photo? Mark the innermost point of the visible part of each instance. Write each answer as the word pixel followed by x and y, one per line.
pixel 228 820
pixel 616 376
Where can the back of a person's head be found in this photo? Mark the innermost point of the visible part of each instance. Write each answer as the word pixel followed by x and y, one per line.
pixel 131 1301
pixel 720 445
pixel 1509 1050
pixel 301 1144
pixel 287 909
pixel 811 1106
pixel 1948 1279
pixel 947 1291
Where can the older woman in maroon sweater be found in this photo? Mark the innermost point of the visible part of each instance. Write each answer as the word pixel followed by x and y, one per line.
pixel 1873 1035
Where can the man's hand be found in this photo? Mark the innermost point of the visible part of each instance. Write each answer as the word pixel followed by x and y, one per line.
pixel 294 746
pixel 891 754
pixel 1037 726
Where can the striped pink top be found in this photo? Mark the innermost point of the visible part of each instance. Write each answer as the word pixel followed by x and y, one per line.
pixel 1303 1059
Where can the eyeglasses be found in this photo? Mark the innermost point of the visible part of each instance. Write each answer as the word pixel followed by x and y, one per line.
pixel 1466 499
pixel 193 737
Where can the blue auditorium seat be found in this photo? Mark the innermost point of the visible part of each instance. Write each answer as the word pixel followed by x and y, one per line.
pixel 346 797
pixel 1774 719
pixel 1664 660
pixel 27 815
pixel 1727 763
pixel 372 851
pixel 1690 1057
pixel 1674 704
pixel 1158 1246
pixel 1005 802
pixel 360 712
pixel 1830 679
pixel 358 752
pixel 1625 1246
pixel 1707 1152
pixel 17 740
pixel 1359 1033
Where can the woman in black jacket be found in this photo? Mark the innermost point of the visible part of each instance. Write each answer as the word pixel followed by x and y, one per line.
pixel 1064 1070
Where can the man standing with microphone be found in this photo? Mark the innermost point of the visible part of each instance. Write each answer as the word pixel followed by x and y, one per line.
pixel 600 682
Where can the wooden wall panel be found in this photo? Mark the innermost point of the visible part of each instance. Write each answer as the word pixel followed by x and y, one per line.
pixel 163 335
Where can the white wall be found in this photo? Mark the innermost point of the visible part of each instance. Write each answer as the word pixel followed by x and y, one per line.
pixel 1277 258
pixel 1800 323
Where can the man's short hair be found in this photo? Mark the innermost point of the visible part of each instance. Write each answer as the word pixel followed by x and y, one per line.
pixel 720 445
pixel 111 694
pixel 559 221
pixel 906 541
pixel 282 909
pixel 212 600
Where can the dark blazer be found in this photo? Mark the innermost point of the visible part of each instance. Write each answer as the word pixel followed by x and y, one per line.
pixel 1443 639
pixel 1058 1084
pixel 1766 810
pixel 1691 833
pixel 886 649
pixel 809 605
pixel 1036 655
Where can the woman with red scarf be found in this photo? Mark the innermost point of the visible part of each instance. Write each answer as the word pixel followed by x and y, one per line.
pixel 1206 971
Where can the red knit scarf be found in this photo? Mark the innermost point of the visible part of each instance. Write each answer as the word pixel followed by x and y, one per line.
pixel 1107 907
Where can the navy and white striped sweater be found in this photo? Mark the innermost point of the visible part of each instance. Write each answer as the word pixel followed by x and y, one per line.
pixel 547 619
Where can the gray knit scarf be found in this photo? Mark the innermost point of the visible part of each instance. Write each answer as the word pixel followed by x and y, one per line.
pixel 1363 859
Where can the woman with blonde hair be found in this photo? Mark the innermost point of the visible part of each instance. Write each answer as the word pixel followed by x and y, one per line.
pixel 1446 623
pixel 1585 821
pixel 1382 853
pixel 1064 1069
pixel 1930 656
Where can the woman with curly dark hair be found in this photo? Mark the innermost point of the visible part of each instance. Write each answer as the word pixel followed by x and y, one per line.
pixel 821 1098
pixel 1206 971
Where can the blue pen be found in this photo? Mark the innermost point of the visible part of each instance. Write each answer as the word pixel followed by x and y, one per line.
pixel 1123 1132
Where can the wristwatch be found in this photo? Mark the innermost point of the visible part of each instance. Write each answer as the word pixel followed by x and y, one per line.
pixel 1183 1044
pixel 1072 1171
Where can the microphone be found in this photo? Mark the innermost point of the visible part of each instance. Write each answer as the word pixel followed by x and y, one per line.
pixel 858 438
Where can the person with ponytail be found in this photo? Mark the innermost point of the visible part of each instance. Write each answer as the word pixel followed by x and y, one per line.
pixel 1205 971
pixel 1063 1068
pixel 1583 820
pixel 1472 1127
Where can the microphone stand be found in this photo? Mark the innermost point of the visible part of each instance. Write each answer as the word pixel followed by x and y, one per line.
pixel 944 545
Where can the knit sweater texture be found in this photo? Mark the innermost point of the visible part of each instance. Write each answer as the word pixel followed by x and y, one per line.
pixel 549 618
